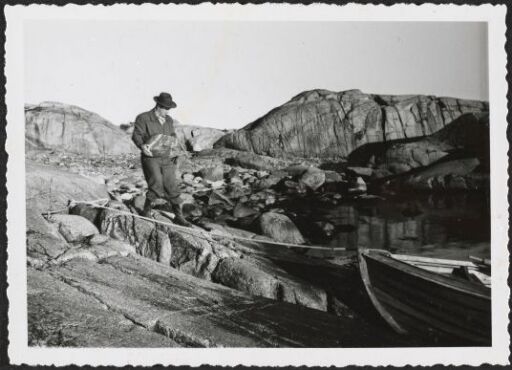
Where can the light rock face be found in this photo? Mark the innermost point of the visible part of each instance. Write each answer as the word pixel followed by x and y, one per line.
pixel 326 124
pixel 48 187
pixel 69 128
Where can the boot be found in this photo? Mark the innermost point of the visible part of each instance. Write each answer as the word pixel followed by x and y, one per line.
pixel 148 209
pixel 179 219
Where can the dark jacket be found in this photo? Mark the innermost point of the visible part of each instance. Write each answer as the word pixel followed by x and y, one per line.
pixel 147 125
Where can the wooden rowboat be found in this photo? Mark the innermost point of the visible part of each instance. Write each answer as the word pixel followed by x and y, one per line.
pixel 419 295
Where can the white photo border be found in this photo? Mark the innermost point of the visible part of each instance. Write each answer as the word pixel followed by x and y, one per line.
pixel 20 353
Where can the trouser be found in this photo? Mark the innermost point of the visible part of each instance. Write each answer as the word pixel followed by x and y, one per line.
pixel 161 175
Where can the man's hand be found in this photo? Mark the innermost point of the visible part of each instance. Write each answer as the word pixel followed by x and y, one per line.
pixel 146 150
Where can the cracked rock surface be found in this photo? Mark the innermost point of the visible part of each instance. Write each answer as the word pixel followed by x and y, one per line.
pixel 132 301
pixel 327 124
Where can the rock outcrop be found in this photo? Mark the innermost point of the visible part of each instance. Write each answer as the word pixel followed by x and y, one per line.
pixel 201 256
pixel 326 124
pixel 467 135
pixel 135 302
pixel 50 188
pixel 64 127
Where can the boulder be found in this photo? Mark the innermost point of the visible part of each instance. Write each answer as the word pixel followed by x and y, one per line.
pixel 248 276
pixel 44 247
pixel 198 138
pixel 96 251
pixel 313 178
pixel 280 228
pixel 266 182
pixel 52 125
pixel 73 228
pixel 327 124
pixel 332 177
pixel 191 254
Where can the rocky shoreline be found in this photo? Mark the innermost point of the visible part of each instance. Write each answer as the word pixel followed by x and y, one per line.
pixel 103 276
pixel 87 239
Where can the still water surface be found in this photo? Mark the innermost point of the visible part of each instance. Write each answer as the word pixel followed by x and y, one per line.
pixel 434 225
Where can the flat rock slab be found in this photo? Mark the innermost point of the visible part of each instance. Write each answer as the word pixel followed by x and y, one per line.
pixel 153 299
pixel 61 315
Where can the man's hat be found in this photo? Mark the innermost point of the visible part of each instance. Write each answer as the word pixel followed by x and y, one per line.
pixel 165 100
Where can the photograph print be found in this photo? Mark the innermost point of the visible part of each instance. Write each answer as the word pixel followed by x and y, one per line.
pixel 211 182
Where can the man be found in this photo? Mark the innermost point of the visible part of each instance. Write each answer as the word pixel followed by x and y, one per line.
pixel 159 171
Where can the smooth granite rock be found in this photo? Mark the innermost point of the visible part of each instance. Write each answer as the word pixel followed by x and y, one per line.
pixel 327 124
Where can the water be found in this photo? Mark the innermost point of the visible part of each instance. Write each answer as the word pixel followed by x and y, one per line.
pixel 452 226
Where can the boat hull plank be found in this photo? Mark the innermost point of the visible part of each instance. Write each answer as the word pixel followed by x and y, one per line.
pixel 415 300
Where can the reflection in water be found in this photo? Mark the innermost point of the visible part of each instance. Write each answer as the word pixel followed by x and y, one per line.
pixel 443 226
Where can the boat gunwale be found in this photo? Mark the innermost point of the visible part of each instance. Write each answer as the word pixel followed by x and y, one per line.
pixel 467 287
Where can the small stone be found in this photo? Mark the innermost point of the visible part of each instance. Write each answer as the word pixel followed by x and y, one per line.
pixel 188 178
pixel 186 198
pixel 236 180
pixel 217 184
pixel 213 174
pixel 270 200
pixel 233 173
pixel 261 174
pixel 358 186
pixel 126 196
